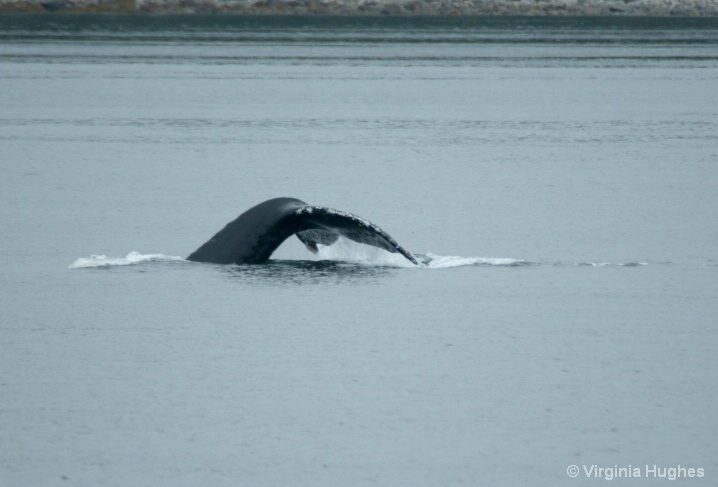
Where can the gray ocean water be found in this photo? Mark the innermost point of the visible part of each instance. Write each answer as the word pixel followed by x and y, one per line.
pixel 560 176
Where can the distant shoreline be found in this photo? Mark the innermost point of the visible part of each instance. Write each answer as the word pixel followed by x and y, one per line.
pixel 616 8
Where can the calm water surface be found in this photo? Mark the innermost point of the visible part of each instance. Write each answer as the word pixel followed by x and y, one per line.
pixel 560 175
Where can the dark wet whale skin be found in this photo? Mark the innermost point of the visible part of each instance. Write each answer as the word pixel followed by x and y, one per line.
pixel 255 234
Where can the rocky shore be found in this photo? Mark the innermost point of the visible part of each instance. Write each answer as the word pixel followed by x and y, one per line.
pixel 646 8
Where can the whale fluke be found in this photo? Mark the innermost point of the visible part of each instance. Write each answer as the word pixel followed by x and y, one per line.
pixel 256 233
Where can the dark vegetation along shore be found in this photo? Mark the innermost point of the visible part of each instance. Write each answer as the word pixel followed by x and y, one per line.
pixel 646 8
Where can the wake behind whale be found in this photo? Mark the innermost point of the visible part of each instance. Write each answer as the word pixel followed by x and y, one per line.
pixel 255 234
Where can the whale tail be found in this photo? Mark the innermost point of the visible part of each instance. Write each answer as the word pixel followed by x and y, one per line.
pixel 256 233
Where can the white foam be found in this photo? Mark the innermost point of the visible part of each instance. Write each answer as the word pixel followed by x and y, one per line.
pixel 343 250
pixel 445 261
pixel 348 251
pixel 131 259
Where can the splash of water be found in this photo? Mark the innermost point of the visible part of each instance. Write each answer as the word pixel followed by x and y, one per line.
pixel 434 261
pixel 348 251
pixel 131 259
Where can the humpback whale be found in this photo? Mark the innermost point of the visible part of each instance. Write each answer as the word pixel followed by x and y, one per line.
pixel 255 234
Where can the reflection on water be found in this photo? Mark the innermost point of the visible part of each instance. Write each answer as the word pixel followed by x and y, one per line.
pixel 324 272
